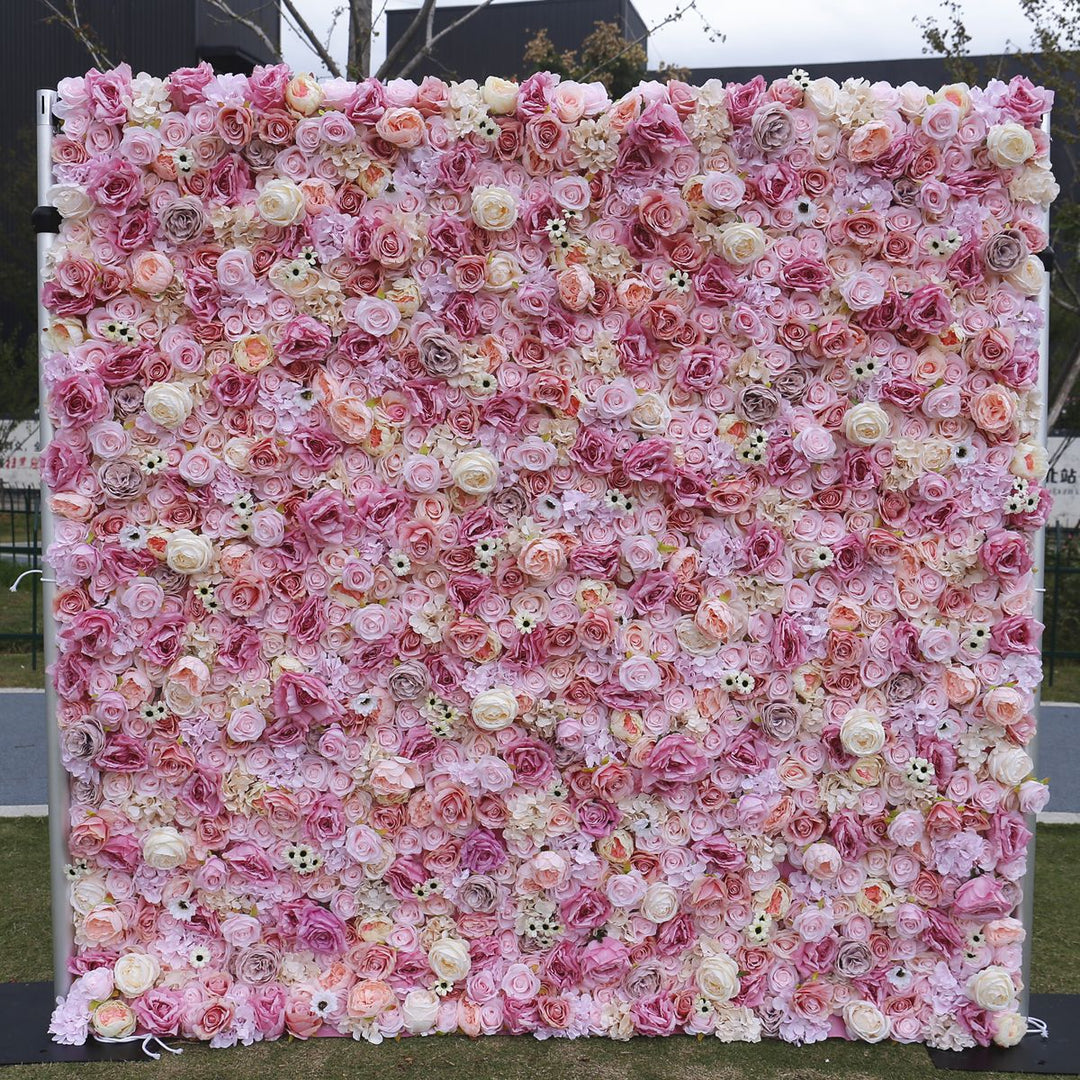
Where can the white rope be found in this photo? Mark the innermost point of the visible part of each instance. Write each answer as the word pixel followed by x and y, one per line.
pixel 146 1040
pixel 15 583
pixel 1035 1026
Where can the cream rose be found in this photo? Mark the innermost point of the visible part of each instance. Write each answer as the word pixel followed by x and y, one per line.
pixel 718 977
pixel 303 94
pixel 280 202
pixel 992 989
pixel 1008 1028
pixel 500 95
pixel 494 709
pixel 866 1021
pixel 1009 145
pixel 494 208
pixel 1029 277
pixel 476 472
pixel 164 848
pixel 134 973
pixel 449 959
pixel 113 1020
pixel 862 733
pixel 1029 461
pixel 741 243
pixel 1009 765
pixel 866 424
pixel 419 1010
pixel 188 553
pixel 660 903
pixel 168 404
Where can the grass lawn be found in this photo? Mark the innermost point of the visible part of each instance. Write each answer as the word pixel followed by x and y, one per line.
pixel 18 615
pixel 24 955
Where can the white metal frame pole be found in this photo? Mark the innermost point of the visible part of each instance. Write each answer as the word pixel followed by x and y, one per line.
pixel 62 935
pixel 1027 901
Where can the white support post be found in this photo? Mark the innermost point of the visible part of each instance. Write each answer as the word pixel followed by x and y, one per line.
pixel 62 936
pixel 1027 902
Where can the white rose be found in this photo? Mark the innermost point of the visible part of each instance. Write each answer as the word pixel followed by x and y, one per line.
pixel 1009 145
pixel 188 553
pixel 992 989
pixel 822 95
pixel 866 424
pixel 134 973
pixel 280 202
pixel 866 1021
pixel 502 271
pixel 494 709
pixel 718 977
pixel 660 903
pixel 419 1010
pixel 1029 277
pixel 1009 765
pixel 168 404
pixel 476 472
pixel 1008 1028
pixel 862 733
pixel 449 959
pixel 741 243
pixel 164 848
pixel 1034 185
pixel 913 99
pixel 500 95
pixel 494 208
pixel 71 200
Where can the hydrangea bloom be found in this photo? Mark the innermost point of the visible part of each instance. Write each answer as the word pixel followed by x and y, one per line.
pixel 535 563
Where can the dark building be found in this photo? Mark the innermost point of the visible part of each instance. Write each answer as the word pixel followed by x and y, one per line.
pixel 493 41
pixel 36 52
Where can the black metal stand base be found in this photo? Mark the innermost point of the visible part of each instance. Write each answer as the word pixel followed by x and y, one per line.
pixel 28 1041
pixel 1059 1054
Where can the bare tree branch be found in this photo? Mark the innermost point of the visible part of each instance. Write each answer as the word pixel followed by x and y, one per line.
pixel 72 21
pixel 312 39
pixel 1064 391
pixel 432 42
pixel 394 54
pixel 249 24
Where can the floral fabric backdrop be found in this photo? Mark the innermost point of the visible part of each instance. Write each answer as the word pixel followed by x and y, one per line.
pixel 534 563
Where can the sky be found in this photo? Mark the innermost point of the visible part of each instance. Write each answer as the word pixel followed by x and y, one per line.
pixel 797 31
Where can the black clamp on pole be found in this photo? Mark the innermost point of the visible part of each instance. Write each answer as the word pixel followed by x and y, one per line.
pixel 45 219
pixel 1047 258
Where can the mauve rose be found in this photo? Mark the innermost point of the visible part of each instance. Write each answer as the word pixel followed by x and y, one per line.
pixel 981 898
pixel 256 965
pixel 1005 251
pixel 182 220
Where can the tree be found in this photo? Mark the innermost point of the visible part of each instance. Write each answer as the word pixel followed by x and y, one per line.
pixel 400 61
pixel 1052 58
pixel 604 56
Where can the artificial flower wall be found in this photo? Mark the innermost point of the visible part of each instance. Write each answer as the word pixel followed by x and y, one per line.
pixel 541 564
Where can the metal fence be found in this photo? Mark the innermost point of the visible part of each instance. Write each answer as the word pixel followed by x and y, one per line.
pixel 20 549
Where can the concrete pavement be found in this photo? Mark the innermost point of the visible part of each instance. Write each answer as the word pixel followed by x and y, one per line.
pixel 23 770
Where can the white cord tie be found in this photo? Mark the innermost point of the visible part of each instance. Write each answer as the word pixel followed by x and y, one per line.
pixel 15 584
pixel 146 1040
pixel 1035 1026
